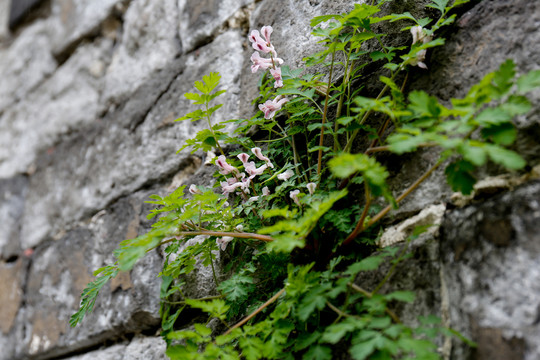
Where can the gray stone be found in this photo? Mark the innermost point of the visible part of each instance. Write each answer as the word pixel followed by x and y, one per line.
pixel 4 19
pixel 73 20
pixel 25 64
pixel 61 270
pixel 77 179
pixel 201 21
pixel 139 348
pixel 149 44
pixel 491 256
pixel 12 193
pixel 62 104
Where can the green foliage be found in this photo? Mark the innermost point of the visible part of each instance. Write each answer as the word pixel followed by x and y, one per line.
pixel 281 223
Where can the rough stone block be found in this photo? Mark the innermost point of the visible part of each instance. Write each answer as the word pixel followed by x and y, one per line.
pixel 107 160
pixel 491 257
pixel 61 105
pixel 201 21
pixel 73 20
pixel 62 269
pixel 149 44
pixel 25 64
pixel 12 193
pixel 139 348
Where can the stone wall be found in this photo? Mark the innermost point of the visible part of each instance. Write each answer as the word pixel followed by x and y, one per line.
pixel 89 90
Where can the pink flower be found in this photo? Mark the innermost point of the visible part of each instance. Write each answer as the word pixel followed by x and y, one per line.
pixel 225 168
pixel 270 107
pixel 263 63
pixel 194 189
pixel 229 188
pixel 253 198
pixel 266 32
pixel 260 63
pixel 252 170
pixel 294 195
pixel 311 188
pixel 258 153
pixel 243 157
pixel 259 44
pixel 276 73
pixel 265 191
pixel 223 241
pixel 286 175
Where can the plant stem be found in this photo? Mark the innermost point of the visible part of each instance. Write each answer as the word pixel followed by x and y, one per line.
pixel 359 227
pixel 216 233
pixel 404 194
pixel 200 299
pixel 212 130
pixel 360 224
pixel 325 113
pixel 213 269
pixel 259 309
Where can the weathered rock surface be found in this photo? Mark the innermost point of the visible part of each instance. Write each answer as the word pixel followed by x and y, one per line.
pixel 25 64
pixel 61 270
pixel 137 153
pixel 63 104
pixel 75 20
pixel 491 253
pixel 142 53
pixel 12 194
pixel 202 21
pixel 139 348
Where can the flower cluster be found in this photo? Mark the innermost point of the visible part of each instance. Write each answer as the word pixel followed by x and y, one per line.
pixel 266 47
pixel 240 181
pixel 263 44
pixel 419 35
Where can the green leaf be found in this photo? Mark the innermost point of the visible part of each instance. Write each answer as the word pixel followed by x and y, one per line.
pixel 529 81
pixel 439 5
pixel 503 134
pixel 318 352
pixel 404 296
pixel 345 165
pixel 516 105
pixel 493 116
pixel 216 308
pixel 459 176
pixel 335 332
pixel 237 287
pixel 507 158
pixel 473 152
pixel 362 350
pixel 504 76
pixel 368 264
pixel 319 19
pixel 423 104
pixel 90 293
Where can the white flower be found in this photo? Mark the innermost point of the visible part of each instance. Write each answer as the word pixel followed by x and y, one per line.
pixel 285 175
pixel 265 191
pixel 294 195
pixel 222 242
pixel 194 189
pixel 311 187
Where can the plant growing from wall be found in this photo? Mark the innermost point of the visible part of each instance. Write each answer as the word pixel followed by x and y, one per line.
pixel 298 218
